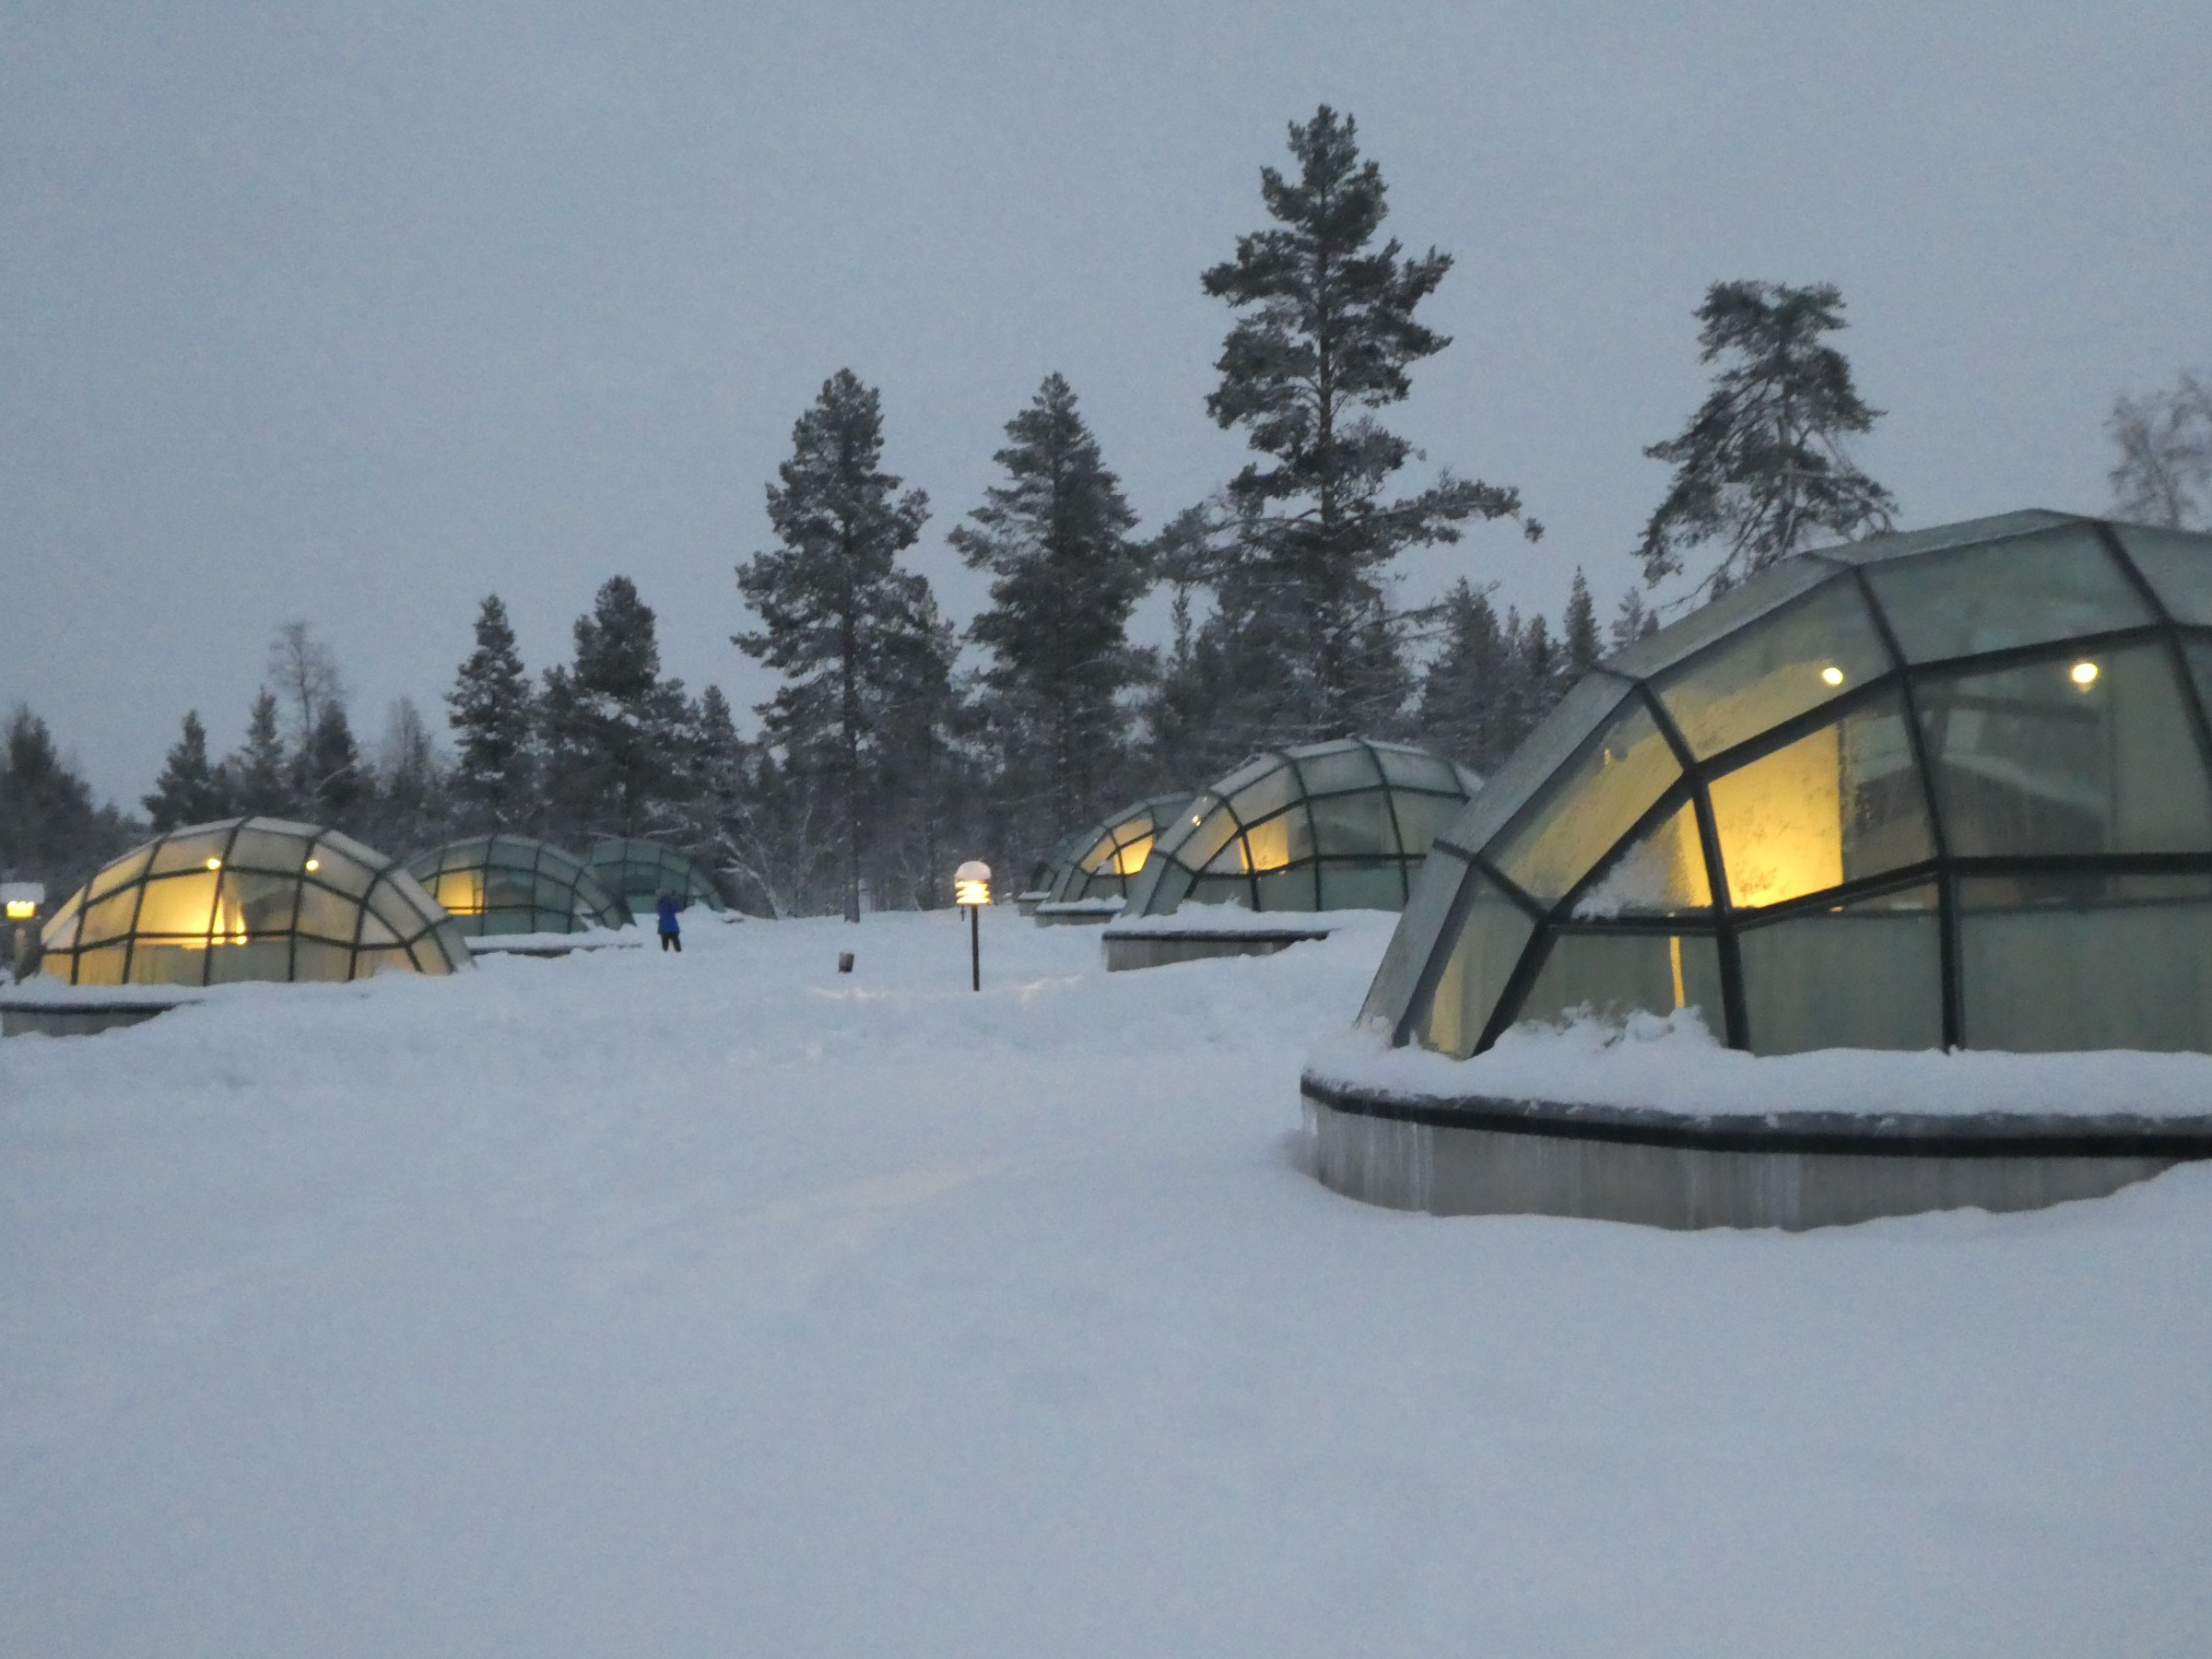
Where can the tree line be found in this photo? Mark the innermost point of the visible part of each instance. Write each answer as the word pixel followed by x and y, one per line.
pixel 879 762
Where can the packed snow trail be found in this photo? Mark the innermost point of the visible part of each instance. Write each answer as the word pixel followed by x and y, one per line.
pixel 723 1304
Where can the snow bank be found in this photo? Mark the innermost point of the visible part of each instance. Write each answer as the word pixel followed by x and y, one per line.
pixel 1674 1065
pixel 1236 920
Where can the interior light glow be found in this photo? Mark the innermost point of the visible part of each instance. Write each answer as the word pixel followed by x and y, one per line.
pixel 214 864
pixel 314 863
pixel 2084 675
pixel 21 910
pixel 1832 675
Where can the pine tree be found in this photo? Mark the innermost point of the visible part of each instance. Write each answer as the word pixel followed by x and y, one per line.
pixel 1467 686
pixel 328 778
pixel 1761 467
pixel 852 634
pixel 258 778
pixel 1056 538
pixel 50 831
pixel 1579 644
pixel 615 729
pixel 493 714
pixel 1326 338
pixel 188 791
pixel 1633 620
pixel 409 806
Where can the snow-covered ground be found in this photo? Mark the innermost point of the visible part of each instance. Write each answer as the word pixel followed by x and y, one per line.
pixel 720 1304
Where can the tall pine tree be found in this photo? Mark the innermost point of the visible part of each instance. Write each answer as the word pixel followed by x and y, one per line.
pixel 1761 470
pixel 1325 338
pixel 189 791
pixel 258 778
pixel 1055 537
pixel 1580 644
pixel 1467 684
pixel 853 634
pixel 616 731
pixel 493 713
pixel 329 780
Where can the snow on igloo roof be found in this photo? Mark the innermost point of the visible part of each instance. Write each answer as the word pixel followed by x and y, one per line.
pixel 1102 860
pixel 1938 789
pixel 1340 825
pixel 248 898
pixel 516 884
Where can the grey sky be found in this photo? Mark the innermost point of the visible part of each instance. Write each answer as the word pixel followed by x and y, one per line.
pixel 357 314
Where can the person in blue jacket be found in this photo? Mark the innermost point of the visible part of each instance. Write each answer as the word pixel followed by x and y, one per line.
pixel 672 937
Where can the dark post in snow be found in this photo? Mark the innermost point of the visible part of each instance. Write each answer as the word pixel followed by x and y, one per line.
pixel 972 892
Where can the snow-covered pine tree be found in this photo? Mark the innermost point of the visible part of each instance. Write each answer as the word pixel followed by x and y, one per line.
pixel 1055 538
pixel 850 632
pixel 615 729
pixel 493 713
pixel 258 778
pixel 189 791
pixel 1761 468
pixel 1326 337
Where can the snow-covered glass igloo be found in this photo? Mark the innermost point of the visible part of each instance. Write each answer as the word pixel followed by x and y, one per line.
pixel 515 883
pixel 1940 789
pixel 638 872
pixel 1103 861
pixel 1340 825
pixel 249 898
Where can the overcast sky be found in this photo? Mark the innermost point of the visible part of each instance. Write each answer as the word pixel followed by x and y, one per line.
pixel 356 314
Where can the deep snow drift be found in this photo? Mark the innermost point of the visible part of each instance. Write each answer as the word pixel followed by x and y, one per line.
pixel 721 1304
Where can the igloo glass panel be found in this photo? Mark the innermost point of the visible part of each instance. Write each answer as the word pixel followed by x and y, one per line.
pixel 1362 886
pixel 255 848
pixel 2178 565
pixel 1265 795
pixel 251 901
pixel 1492 933
pixel 2111 963
pixel 1129 858
pixel 1840 804
pixel 1586 810
pixel 1332 769
pixel 1353 825
pixel 327 915
pixel 2075 753
pixel 190 852
pixel 1411 768
pixel 168 962
pixel 1662 873
pixel 1596 700
pixel 124 871
pixel 1279 842
pixel 1864 975
pixel 179 904
pixel 2050 586
pixel 1435 886
pixel 1769 591
pixel 1199 848
pixel 348 875
pixel 1287 890
pixel 315 959
pixel 230 964
pixel 1422 818
pixel 1612 975
pixel 1822 647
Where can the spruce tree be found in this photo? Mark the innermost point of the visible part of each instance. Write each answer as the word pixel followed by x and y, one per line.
pixel 328 778
pixel 1632 620
pixel 188 791
pixel 1761 468
pixel 1579 642
pixel 493 713
pixel 1326 338
pixel 409 807
pixel 50 831
pixel 258 778
pixel 850 632
pixel 1467 687
pixel 615 729
pixel 1056 537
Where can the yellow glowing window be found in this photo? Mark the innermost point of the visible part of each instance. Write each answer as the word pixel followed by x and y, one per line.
pixel 1267 845
pixel 461 891
pixel 1131 859
pixel 1780 822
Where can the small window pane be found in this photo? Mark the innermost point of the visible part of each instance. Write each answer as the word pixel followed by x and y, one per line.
pixel 326 914
pixel 2048 586
pixel 102 966
pixel 1414 769
pixel 1348 768
pixel 2072 753
pixel 190 852
pixel 1662 874
pixel 111 918
pixel 1614 975
pixel 460 891
pixel 1435 884
pixel 1351 825
pixel 1481 957
pixel 1840 803
pixel 1266 795
pixel 1220 889
pixel 1363 887
pixel 1822 647
pixel 255 960
pixel 58 935
pixel 257 903
pixel 1422 818
pixel 396 913
pixel 399 881
pixel 2178 565
pixel 1865 975
pixel 1286 890
pixel 1595 699
pixel 169 962
pixel 258 849
pixel 1199 847
pixel 1284 840
pixel 2111 964
pixel 312 959
pixel 179 904
pixel 124 869
pixel 334 868
pixel 1588 808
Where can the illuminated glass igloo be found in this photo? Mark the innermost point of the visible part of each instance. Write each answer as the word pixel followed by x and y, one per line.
pixel 638 872
pixel 1104 860
pixel 515 883
pixel 1940 789
pixel 249 898
pixel 1325 826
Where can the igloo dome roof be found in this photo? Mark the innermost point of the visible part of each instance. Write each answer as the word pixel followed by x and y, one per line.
pixel 1942 788
pixel 1324 826
pixel 638 872
pixel 1104 860
pixel 249 898
pixel 515 883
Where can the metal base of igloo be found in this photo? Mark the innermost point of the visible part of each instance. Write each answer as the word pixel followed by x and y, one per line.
pixel 1157 949
pixel 44 1017
pixel 1793 1171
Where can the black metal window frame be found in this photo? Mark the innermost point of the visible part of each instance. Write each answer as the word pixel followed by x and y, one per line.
pixel 589 904
pixel 1079 877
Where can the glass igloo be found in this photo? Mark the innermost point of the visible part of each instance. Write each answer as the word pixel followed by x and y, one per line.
pixel 249 898
pixel 638 872
pixel 1340 825
pixel 1946 788
pixel 515 883
pixel 1104 860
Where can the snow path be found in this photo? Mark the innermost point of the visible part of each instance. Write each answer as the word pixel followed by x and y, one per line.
pixel 719 1304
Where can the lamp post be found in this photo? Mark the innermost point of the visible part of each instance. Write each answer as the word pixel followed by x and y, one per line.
pixel 21 902
pixel 972 892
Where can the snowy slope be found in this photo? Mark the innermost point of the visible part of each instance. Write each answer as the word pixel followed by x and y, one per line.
pixel 719 1304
